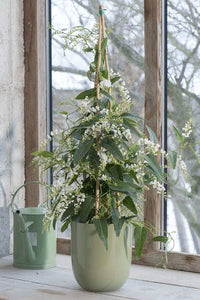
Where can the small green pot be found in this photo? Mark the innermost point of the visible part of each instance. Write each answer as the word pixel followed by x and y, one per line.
pixel 95 268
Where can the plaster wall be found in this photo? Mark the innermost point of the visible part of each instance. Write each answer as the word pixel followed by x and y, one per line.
pixel 11 114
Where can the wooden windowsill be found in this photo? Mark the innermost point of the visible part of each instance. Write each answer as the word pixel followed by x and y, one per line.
pixel 59 283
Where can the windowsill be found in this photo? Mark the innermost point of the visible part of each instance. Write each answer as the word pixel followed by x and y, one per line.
pixel 58 283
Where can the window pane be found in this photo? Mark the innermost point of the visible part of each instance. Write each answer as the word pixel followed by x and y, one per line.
pixel 126 51
pixel 183 206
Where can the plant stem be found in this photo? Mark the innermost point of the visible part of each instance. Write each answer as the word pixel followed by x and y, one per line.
pixel 106 54
pixel 97 85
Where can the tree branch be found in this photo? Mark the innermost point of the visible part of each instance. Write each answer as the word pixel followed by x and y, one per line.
pixel 69 70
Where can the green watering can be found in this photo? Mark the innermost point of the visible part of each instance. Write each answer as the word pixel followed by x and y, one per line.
pixel 33 249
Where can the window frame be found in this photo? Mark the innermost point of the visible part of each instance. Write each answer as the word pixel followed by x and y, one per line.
pixel 37 96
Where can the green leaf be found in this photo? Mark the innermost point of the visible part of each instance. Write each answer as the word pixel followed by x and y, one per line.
pixel 114 79
pixel 96 58
pixel 110 145
pixel 117 222
pixel 127 178
pixel 104 44
pixel 54 223
pixel 103 47
pixel 133 175
pixel 102 230
pixel 82 150
pixel 173 158
pixel 131 116
pixel 64 113
pixel 178 134
pixel 160 238
pixel 126 187
pixel 115 171
pixel 88 93
pixel 152 135
pixel 140 234
pixel 132 125
pixel 65 225
pixel 89 49
pixel 42 153
pixel 128 202
pixel 94 158
pixel 85 209
pixel 105 74
pixel 65 157
pixel 106 94
pixel 154 165
pixel 68 212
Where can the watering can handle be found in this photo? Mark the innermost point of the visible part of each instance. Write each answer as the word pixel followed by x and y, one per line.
pixel 24 185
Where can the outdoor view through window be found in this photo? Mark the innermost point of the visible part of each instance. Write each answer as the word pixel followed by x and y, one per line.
pixel 125 24
pixel 184 107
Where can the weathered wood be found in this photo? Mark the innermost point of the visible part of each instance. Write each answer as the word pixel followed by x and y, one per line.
pixel 43 85
pixel 34 90
pixel 152 15
pixel 63 246
pixel 176 260
pixel 30 98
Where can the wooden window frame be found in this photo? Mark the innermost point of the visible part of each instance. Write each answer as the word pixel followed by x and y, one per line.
pixel 35 92
pixel 35 105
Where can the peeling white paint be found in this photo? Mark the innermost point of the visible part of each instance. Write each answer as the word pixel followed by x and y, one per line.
pixel 11 109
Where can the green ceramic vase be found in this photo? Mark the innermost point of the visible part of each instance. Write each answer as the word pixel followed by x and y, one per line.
pixel 95 268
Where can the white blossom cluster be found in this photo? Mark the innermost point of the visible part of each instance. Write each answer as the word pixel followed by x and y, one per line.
pixel 187 129
pixel 138 168
pixel 149 146
pixel 102 125
pixel 79 35
pixel 105 83
pixel 86 106
pixel 182 165
pixel 124 92
pixel 158 186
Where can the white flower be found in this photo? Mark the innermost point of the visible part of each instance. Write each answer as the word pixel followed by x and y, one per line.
pixel 149 146
pixel 105 83
pixel 187 130
pixel 104 177
pixel 182 164
pixel 157 185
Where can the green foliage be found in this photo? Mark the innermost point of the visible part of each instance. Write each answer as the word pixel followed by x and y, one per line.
pixel 106 94
pixel 85 209
pixel 81 151
pixel 116 220
pixel 154 167
pixel 173 158
pixel 115 79
pixel 110 145
pixel 178 135
pixel 128 202
pixel 105 73
pixel 88 93
pixel 42 153
pixel 140 234
pixel 152 135
pixel 160 238
pixel 102 230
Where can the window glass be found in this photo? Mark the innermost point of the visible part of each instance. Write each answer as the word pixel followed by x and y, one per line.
pixel 183 205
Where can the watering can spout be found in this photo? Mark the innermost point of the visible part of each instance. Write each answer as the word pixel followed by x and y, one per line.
pixel 24 230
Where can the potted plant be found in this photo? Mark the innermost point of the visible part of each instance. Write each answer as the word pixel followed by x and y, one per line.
pixel 102 165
